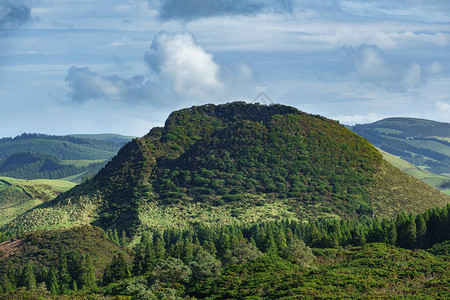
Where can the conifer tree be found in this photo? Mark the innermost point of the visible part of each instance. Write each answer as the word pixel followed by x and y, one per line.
pixel 28 279
pixel 88 280
pixel 149 259
pixel 53 285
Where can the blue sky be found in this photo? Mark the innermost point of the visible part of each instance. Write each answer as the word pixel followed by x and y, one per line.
pixel 122 66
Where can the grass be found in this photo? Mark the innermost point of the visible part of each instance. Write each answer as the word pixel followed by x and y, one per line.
pixel 19 196
pixel 388 130
pixel 81 163
pixel 429 178
pixel 391 192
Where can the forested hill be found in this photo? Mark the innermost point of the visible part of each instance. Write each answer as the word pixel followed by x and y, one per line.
pixel 220 164
pixel 423 143
pixel 29 165
pixel 62 147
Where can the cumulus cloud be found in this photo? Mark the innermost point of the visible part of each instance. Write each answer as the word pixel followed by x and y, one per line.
pixel 13 14
pixel 87 85
pixel 182 70
pixel 372 66
pixel 193 73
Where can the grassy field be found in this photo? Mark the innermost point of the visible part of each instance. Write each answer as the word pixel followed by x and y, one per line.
pixel 429 178
pixel 18 196
pixel 81 162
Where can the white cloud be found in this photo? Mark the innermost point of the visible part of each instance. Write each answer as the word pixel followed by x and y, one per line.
pixel 360 118
pixel 443 106
pixel 193 73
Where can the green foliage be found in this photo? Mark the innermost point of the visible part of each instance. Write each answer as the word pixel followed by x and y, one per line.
pixel 171 270
pixel 298 253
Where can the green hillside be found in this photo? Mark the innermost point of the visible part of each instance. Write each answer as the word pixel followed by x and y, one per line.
pixel 29 165
pixel 19 196
pixel 62 147
pixel 439 182
pixel 423 143
pixel 233 163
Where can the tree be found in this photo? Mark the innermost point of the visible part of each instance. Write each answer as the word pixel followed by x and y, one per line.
pixel 298 253
pixel 53 285
pixel 149 259
pixel 88 274
pixel 28 279
pixel 421 230
pixel 171 270
pixel 242 254
pixel 204 265
pixel 117 270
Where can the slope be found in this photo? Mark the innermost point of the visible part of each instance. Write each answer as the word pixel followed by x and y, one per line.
pixel 439 182
pixel 238 162
pixel 30 165
pixel 19 196
pixel 423 143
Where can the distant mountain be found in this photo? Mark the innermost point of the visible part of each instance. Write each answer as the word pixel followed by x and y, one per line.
pixel 62 147
pixel 233 163
pixel 30 165
pixel 423 143
pixel 73 158
pixel 112 137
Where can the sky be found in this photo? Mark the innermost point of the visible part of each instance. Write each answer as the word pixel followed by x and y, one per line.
pixel 122 66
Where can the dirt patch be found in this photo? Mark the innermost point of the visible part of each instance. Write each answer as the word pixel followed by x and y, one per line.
pixel 10 247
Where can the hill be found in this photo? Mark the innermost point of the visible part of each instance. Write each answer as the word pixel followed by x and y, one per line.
pixel 19 196
pixel 439 182
pixel 237 162
pixel 71 158
pixel 62 147
pixel 423 143
pixel 29 165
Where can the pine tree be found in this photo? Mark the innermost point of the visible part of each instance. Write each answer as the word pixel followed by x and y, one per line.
pixel 159 248
pixel 149 259
pixel 28 279
pixel 116 237
pixel 53 282
pixel 88 274
pixel 421 230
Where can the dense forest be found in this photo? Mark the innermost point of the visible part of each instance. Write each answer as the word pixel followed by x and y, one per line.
pixel 311 258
